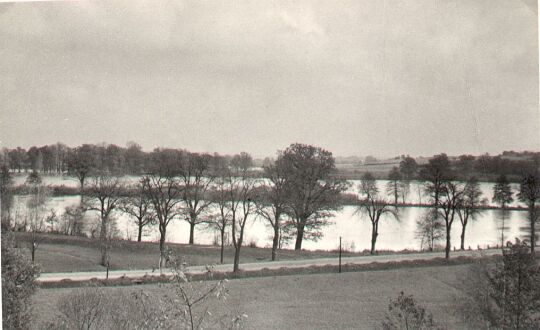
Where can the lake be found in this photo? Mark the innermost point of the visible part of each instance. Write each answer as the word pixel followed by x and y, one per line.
pixel 354 229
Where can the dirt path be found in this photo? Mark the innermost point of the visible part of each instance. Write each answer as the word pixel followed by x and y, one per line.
pixel 83 276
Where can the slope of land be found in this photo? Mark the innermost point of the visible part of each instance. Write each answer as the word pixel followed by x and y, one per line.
pixel 356 300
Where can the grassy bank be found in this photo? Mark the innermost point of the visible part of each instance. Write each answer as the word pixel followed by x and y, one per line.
pixel 352 300
pixel 61 253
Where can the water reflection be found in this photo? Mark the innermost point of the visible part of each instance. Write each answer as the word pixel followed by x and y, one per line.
pixel 354 229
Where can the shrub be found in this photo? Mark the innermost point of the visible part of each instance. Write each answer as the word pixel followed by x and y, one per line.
pixel 18 284
pixel 182 305
pixel 405 313
pixel 505 295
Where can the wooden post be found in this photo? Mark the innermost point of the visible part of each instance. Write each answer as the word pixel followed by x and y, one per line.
pixel 339 254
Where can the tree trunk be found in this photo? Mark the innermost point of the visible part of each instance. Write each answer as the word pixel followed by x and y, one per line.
pixel 139 235
pixel 463 237
pixel 374 234
pixel 162 252
pixel 103 241
pixel 236 258
pixel 191 231
pixel 82 191
pixel 447 249
pixel 275 242
pixel 533 230
pixel 299 237
pixel 104 253
pixel 222 243
pixel 33 248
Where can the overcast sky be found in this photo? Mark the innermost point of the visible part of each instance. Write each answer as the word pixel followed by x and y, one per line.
pixel 355 77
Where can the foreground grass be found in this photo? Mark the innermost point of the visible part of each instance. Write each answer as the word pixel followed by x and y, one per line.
pixel 60 253
pixel 355 300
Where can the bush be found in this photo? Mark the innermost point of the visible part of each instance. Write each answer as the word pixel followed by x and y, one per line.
pixel 18 284
pixel 505 295
pixel 182 305
pixel 405 313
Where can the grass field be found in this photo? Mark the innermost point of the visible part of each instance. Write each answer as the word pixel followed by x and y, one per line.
pixel 59 253
pixel 356 300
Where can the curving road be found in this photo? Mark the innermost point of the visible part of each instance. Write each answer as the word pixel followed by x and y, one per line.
pixel 83 276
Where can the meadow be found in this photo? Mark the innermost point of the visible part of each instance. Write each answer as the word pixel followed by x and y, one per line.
pixel 353 300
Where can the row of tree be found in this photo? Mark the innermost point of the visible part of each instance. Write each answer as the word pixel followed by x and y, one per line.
pixel 296 196
pixel 59 158
pixel 216 191
pixel 510 164
pixel 451 199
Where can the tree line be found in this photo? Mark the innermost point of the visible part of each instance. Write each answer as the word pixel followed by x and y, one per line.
pixel 219 192
pixel 511 164
pixel 297 194
pixel 132 160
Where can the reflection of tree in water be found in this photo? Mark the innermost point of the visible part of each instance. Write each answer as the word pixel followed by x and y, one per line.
pixel 502 215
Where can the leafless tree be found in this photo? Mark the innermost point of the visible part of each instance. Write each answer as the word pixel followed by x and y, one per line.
pixel 469 208
pixel 36 206
pixel 222 219
pixel 272 205
pixel 430 229
pixel 241 202
pixel 373 206
pixel 196 178
pixel 450 199
pixel 104 196
pixel 165 195
pixel 138 206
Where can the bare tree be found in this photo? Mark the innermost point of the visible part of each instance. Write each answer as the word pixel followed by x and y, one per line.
pixel 72 221
pixel 429 229
pixel 469 207
pixel 374 206
pixel 241 201
pixel 36 205
pixel 273 202
pixel 222 219
pixel 138 205
pixel 450 199
pixel 196 178
pixel 529 193
pixel 165 194
pixel 104 196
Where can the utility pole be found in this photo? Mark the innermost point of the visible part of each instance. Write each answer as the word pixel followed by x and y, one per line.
pixel 339 254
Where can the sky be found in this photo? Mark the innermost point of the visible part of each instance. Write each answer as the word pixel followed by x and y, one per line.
pixel 357 77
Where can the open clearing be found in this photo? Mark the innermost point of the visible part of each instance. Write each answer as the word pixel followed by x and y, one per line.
pixel 356 300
